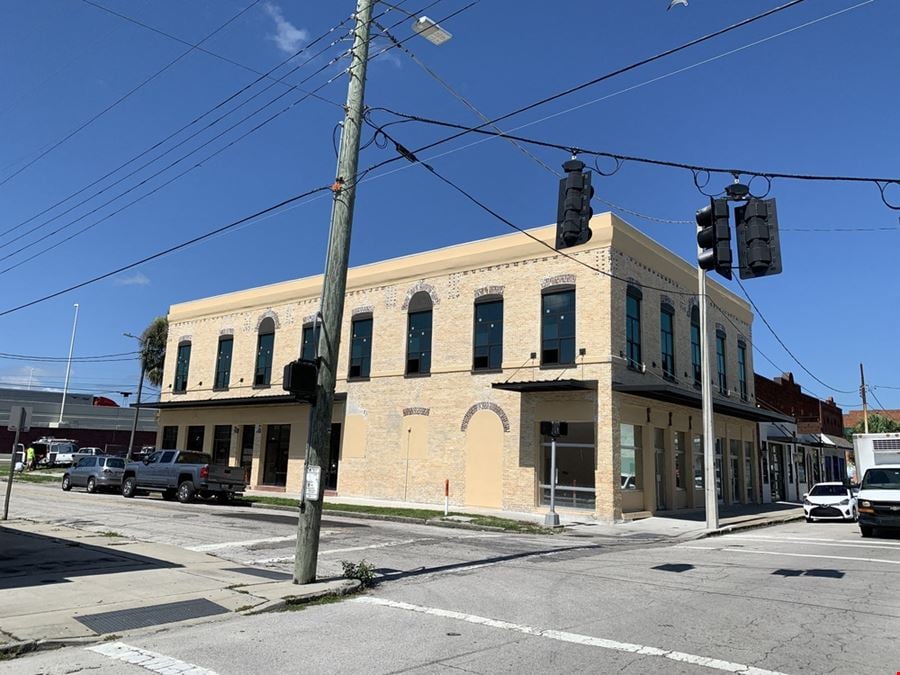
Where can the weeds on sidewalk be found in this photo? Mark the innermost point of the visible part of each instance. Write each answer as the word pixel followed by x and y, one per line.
pixel 362 571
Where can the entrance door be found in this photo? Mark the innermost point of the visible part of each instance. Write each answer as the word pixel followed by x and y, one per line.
pixel 247 436
pixel 331 470
pixel 719 468
pixel 735 479
pixel 660 479
pixel 278 441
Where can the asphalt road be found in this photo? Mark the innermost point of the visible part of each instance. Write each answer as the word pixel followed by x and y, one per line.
pixel 796 598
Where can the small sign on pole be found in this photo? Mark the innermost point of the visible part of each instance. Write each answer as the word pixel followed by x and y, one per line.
pixel 18 421
pixel 313 480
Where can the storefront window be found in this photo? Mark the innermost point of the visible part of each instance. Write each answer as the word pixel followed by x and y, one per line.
pixel 697 451
pixel 630 442
pixel 801 466
pixel 748 469
pixel 680 469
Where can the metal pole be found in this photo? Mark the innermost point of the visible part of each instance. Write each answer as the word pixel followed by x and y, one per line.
pixel 552 518
pixel 333 288
pixel 12 464
pixel 62 406
pixel 137 412
pixel 709 460
pixel 862 392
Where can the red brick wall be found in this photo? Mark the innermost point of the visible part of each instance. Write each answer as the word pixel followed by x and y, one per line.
pixel 784 395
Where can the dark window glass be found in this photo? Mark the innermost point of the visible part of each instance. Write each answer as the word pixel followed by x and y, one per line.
pixel 223 363
pixel 667 341
pixel 195 438
pixel 166 457
pixel 264 347
pixel 488 338
pixel 360 347
pixel 720 363
pixel 182 365
pixel 695 344
pixel 308 343
pixel 247 438
pixel 221 450
pixel 418 343
pixel 169 437
pixel 558 328
pixel 193 458
pixel 633 329
pixel 742 369
pixel 275 462
pixel 115 463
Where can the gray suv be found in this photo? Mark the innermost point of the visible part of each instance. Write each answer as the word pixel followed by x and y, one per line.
pixel 95 473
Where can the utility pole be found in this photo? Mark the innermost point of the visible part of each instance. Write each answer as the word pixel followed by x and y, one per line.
pixel 62 406
pixel 332 303
pixel 137 406
pixel 862 392
pixel 709 459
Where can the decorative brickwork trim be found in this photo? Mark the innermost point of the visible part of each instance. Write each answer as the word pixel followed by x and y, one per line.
pixel 416 411
pixel 365 309
pixel 185 338
pixel 485 405
pixel 558 280
pixel 488 290
pixel 421 286
pixel 226 331
pixel 268 314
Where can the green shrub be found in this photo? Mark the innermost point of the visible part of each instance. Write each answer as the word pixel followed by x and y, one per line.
pixel 362 570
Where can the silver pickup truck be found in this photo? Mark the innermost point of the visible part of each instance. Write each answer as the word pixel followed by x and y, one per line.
pixel 182 475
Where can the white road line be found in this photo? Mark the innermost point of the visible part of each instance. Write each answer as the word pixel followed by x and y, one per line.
pixel 574 638
pixel 728 549
pixel 206 548
pixel 349 549
pixel 158 663
pixel 814 542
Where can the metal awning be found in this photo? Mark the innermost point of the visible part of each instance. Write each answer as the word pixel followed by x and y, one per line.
pixel 672 394
pixel 280 399
pixel 529 386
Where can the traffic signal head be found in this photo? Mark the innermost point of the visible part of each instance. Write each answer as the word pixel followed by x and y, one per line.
pixel 714 237
pixel 574 210
pixel 759 249
pixel 301 377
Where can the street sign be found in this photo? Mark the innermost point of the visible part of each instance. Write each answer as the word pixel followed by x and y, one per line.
pixel 313 479
pixel 18 421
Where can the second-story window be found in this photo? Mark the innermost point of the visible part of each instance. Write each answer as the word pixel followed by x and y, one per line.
pixel 742 368
pixel 487 343
pixel 633 298
pixel 720 362
pixel 360 346
pixel 418 335
pixel 182 367
pixel 558 326
pixel 667 340
pixel 695 343
pixel 223 362
pixel 265 346
pixel 308 342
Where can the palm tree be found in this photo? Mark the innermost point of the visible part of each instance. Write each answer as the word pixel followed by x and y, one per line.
pixel 153 349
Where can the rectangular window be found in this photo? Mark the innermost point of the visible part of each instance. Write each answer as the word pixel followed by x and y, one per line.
pixel 742 369
pixel 633 329
pixel 667 341
pixel 247 437
pixel 488 337
pixel 631 461
pixel 182 365
pixel 169 438
pixel 699 461
pixel 223 363
pixel 221 450
pixel 558 328
pixel 418 344
pixel 308 343
pixel 195 439
pixel 262 377
pixel 360 347
pixel 748 470
pixel 695 346
pixel 720 363
pixel 678 445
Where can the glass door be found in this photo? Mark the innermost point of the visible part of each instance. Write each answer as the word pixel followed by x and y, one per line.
pixel 278 441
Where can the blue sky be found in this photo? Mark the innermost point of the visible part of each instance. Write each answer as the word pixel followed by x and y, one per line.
pixel 775 96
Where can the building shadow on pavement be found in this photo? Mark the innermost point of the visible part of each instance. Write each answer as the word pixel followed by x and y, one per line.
pixel 733 511
pixel 31 559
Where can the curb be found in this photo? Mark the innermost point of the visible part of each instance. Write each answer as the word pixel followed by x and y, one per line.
pixel 354 586
pixel 16 649
pixel 752 525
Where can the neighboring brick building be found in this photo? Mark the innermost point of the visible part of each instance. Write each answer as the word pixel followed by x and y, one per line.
pixel 814 415
pixel 854 417
pixel 450 359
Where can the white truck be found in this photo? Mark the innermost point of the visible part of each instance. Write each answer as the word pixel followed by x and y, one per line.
pixel 878 464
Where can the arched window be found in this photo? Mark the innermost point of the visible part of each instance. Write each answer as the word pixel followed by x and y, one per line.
pixel 265 346
pixel 418 335
pixel 182 366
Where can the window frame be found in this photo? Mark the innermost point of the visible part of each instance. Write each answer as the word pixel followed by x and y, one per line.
pixel 364 362
pixel 308 331
pixel 561 340
pixel 667 313
pixel 492 343
pixel 742 369
pixel 721 362
pixel 182 367
pixel 420 306
pixel 633 346
pixel 262 368
pixel 222 378
pixel 696 350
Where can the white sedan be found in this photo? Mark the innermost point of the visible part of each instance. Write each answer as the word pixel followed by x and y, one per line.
pixel 830 501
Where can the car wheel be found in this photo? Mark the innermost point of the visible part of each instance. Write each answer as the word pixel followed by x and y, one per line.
pixel 809 520
pixel 186 492
pixel 128 487
pixel 66 483
pixel 224 497
pixel 866 530
pixel 169 495
pixel 91 485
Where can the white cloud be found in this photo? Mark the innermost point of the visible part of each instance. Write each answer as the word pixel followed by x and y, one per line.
pixel 136 279
pixel 287 36
pixel 25 377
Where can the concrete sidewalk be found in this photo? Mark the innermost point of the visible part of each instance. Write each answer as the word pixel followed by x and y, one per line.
pixel 62 586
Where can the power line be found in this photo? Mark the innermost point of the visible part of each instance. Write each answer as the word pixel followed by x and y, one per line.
pixel 127 94
pixel 121 356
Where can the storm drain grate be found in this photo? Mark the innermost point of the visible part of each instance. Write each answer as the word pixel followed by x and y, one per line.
pixel 141 617
pixel 265 574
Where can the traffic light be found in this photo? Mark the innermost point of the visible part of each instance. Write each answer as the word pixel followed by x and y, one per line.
pixel 714 237
pixel 574 210
pixel 301 377
pixel 759 250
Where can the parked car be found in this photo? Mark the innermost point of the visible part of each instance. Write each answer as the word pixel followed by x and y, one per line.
pixel 830 501
pixel 183 475
pixel 95 473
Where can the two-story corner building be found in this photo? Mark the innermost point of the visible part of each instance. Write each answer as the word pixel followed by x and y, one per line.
pixel 451 358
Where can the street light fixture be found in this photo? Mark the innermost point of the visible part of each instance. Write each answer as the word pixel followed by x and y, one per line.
pixel 431 31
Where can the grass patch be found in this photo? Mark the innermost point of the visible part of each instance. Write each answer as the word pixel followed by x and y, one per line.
pixel 419 514
pixel 30 476
pixel 325 600
pixel 109 533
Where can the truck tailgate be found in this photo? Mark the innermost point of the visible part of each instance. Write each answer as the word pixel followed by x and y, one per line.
pixel 227 475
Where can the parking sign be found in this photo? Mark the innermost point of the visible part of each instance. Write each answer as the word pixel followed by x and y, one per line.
pixel 19 418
